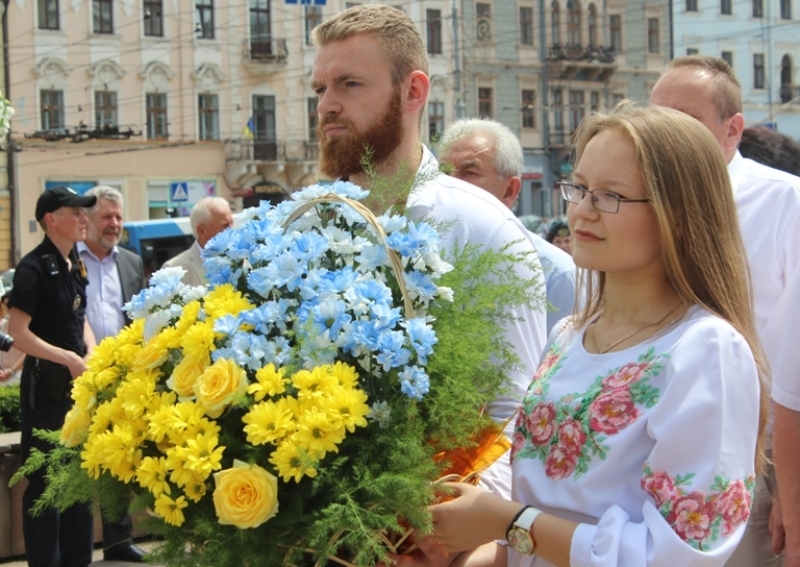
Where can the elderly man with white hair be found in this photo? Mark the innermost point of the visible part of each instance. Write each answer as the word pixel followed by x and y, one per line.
pixel 209 217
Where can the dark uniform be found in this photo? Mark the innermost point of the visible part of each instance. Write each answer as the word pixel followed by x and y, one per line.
pixel 55 298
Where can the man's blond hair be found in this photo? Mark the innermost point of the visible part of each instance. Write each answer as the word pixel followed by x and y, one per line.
pixel 727 91
pixel 394 30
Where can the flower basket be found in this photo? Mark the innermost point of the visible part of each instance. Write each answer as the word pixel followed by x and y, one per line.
pixel 300 406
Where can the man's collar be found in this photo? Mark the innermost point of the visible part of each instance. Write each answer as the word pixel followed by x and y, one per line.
pixel 83 249
pixel 736 170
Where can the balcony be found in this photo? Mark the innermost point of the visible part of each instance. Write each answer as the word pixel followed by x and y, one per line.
pixel 264 56
pixel 590 63
pixel 261 151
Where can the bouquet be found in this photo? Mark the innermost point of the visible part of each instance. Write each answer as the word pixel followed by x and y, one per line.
pixel 298 407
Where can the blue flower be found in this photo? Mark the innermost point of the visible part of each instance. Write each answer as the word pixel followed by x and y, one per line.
pixel 372 256
pixel 381 413
pixel 263 317
pixel 422 337
pixel 418 240
pixel 330 316
pixel 420 285
pixel 227 325
pixel 414 382
pixel 219 243
pixel 308 246
pixel 391 352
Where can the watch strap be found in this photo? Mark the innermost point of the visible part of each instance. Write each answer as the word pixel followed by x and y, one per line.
pixel 524 520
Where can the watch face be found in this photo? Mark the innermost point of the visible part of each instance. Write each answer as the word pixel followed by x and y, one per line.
pixel 520 541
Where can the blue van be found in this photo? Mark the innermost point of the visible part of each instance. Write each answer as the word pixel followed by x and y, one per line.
pixel 156 241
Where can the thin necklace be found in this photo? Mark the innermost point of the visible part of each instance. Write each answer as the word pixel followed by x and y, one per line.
pixel 636 332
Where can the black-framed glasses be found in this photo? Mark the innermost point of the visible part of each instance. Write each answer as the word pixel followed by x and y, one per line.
pixel 604 201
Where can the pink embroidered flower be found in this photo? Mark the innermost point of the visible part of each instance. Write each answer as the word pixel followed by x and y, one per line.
pixel 548 362
pixel 541 423
pixel 612 411
pixel 734 506
pixel 560 461
pixel 571 434
pixel 692 517
pixel 625 376
pixel 661 487
pixel 517 443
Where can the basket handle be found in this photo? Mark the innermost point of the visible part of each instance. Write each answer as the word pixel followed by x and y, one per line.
pixel 360 208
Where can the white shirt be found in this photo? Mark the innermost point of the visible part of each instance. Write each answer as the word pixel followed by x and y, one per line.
pixel 479 218
pixel 103 293
pixel 636 444
pixel 768 203
pixel 783 350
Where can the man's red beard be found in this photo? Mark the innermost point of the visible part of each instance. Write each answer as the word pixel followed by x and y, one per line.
pixel 342 157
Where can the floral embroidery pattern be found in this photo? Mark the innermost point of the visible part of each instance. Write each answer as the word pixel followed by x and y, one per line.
pixel 699 517
pixel 568 433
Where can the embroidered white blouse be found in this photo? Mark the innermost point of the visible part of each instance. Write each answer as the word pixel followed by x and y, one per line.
pixel 650 448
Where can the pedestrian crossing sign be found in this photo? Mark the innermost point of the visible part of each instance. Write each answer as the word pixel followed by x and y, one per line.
pixel 179 191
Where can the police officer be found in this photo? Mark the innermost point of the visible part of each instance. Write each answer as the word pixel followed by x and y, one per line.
pixel 47 321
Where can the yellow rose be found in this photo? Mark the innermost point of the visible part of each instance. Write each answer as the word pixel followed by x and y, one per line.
pixel 151 356
pixel 245 496
pixel 185 375
pixel 76 427
pixel 219 385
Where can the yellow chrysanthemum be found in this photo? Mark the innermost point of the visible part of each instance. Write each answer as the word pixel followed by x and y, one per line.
pixel 169 338
pixel 225 300
pixel 195 490
pixel 314 383
pixel 119 450
pixel 188 316
pixel 346 374
pixel 202 455
pixel 171 510
pixel 179 472
pixel 102 355
pixel 137 392
pixel 125 356
pixel 317 432
pixel 132 334
pixel 270 382
pixel 174 420
pixel 269 422
pixel 152 475
pixel 106 415
pixel 351 406
pixel 291 461
pixel 198 340
pixel 84 394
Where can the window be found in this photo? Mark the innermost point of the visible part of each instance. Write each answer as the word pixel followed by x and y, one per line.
pixel 594 101
pixel 435 120
pixel 313 19
pixel 573 23
pixel 48 14
pixel 558 110
pixel 483 13
pixel 153 18
pixel 758 8
pixel 313 117
pixel 727 56
pixel 617 98
pixel 555 22
pixel 204 11
pixel 526 26
pixel 52 109
pixel 691 5
pixel 786 9
pixel 260 28
pixel 208 105
pixel 593 25
pixel 615 31
pixel 265 143
pixel 576 109
pixel 484 102
pixel 528 108
pixel 786 79
pixel 692 51
pixel 156 116
pixel 105 108
pixel 102 15
pixel 434 25
pixel 758 70
pixel 725 7
pixel 653 44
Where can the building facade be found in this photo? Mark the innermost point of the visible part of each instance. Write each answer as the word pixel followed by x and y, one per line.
pixel 172 100
pixel 760 41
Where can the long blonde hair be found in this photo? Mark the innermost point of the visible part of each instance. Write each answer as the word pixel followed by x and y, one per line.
pixel 686 179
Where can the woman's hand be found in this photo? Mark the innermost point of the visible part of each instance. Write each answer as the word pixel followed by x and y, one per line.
pixel 472 518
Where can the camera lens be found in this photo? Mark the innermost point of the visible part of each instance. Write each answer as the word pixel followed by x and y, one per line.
pixel 6 342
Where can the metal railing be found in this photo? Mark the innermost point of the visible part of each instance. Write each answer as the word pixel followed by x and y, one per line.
pixel 266 50
pixel 574 52
pixel 287 151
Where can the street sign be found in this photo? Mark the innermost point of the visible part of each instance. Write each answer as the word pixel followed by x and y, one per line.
pixel 179 192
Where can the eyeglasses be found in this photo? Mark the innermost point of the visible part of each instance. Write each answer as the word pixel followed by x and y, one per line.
pixel 604 201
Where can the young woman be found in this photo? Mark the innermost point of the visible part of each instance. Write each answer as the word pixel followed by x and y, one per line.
pixel 636 442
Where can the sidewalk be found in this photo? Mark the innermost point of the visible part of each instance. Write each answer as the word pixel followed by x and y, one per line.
pixel 97 560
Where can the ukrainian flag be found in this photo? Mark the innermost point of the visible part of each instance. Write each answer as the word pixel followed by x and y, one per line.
pixel 249 130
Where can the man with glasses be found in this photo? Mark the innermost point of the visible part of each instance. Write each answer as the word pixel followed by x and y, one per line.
pixel 768 203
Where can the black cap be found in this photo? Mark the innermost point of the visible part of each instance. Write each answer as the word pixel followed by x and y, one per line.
pixel 57 197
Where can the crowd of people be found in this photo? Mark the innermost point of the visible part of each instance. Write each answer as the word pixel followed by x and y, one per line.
pixel 640 412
